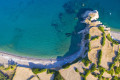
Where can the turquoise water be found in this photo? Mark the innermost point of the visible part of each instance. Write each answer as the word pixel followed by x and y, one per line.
pixel 38 28
pixel 109 11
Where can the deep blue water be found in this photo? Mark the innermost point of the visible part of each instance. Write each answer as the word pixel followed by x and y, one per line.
pixel 38 28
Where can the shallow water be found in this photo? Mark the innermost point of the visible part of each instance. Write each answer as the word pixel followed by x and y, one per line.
pixel 109 11
pixel 37 28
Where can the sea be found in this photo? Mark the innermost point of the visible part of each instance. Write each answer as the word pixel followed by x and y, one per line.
pixel 48 28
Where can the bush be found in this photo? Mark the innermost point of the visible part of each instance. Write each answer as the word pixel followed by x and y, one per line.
pixel 115 78
pixel 111 40
pixel 89 47
pixel 87 36
pixel 102 70
pixel 94 74
pixel 85 52
pixel 110 71
pixel 93 68
pixel 96 37
pixel 86 61
pixel 103 40
pixel 76 70
pixel 3 77
pixel 99 57
pixel 111 65
pixel 101 28
pixel 76 60
pixel 87 72
pixel 49 71
pixel 36 70
pixel 66 66
pixel 117 70
pixel 57 76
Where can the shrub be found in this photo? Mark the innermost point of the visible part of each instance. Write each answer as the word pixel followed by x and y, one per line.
pixel 117 70
pixel 85 52
pixel 66 66
pixel 49 71
pixel 102 70
pixel 103 40
pixel 96 37
pixel 89 47
pixel 57 76
pixel 76 70
pixel 101 28
pixel 87 72
pixel 99 57
pixel 76 60
pixel 111 65
pixel 115 78
pixel 87 36
pixel 110 71
pixel 94 74
pixel 86 61
pixel 93 68
pixel 111 40
pixel 36 70
pixel 3 77
pixel 81 74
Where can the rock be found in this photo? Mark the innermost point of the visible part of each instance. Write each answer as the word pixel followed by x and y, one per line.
pixel 92 15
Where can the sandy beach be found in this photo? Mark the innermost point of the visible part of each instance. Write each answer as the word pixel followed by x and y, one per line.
pixel 7 58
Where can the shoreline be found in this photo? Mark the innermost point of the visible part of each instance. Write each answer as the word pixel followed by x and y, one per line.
pixel 8 58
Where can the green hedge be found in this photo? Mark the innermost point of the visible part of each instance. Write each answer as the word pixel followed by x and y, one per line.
pixel 111 40
pixel 49 71
pixel 89 47
pixel 99 57
pixel 76 70
pixel 103 40
pixel 115 78
pixel 95 37
pixel 57 76
pixel 86 61
pixel 37 70
pixel 3 77
pixel 66 66
pixel 93 68
pixel 117 70
pixel 110 71
pixel 101 28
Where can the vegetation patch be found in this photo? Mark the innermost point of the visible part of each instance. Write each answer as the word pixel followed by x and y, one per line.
pixel 103 40
pixel 99 57
pixel 117 70
pixel 3 77
pixel 87 36
pixel 57 76
pixel 66 66
pixel 95 37
pixel 89 47
pixel 37 70
pixel 93 68
pixel 112 40
pixel 86 61
pixel 76 70
pixel 49 71
pixel 101 28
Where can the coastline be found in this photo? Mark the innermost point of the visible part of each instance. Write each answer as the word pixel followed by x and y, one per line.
pixel 7 58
